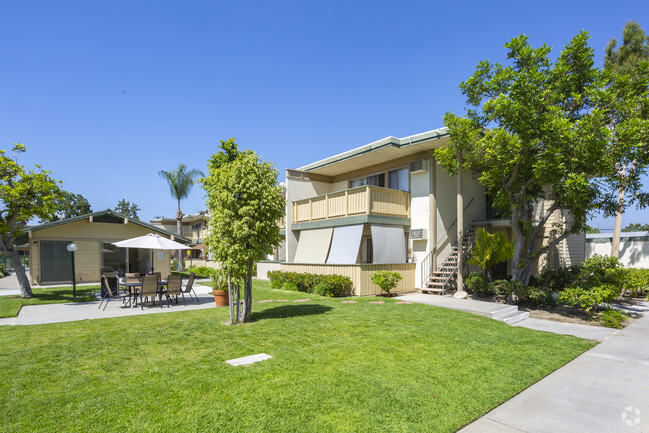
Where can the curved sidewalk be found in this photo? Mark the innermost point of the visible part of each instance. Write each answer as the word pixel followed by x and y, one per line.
pixel 605 390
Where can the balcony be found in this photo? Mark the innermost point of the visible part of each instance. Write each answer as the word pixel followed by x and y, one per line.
pixel 364 200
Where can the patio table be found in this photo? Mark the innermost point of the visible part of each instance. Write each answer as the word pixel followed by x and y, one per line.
pixel 132 290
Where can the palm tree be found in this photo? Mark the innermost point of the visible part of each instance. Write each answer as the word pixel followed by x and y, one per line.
pixel 180 183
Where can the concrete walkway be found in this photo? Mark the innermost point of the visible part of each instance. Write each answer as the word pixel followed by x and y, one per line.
pixel 54 313
pixel 605 390
pixel 492 309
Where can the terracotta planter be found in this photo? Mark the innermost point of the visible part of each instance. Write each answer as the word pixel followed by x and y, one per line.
pixel 221 297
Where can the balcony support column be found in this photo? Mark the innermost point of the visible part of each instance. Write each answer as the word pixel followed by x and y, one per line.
pixel 432 212
pixel 460 225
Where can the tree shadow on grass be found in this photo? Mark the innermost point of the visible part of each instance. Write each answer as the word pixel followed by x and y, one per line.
pixel 285 311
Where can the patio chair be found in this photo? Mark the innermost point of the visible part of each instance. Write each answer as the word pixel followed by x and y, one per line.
pixel 174 287
pixel 189 288
pixel 155 274
pixel 133 277
pixel 109 290
pixel 149 289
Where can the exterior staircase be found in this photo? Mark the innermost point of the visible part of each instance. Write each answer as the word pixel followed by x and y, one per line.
pixel 445 276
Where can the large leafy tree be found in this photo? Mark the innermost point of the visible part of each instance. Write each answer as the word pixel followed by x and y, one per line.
pixel 181 181
pixel 24 194
pixel 69 205
pixel 535 132
pixel 245 205
pixel 636 227
pixel 627 66
pixel 127 208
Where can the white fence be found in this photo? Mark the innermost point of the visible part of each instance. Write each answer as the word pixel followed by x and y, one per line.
pixel 634 247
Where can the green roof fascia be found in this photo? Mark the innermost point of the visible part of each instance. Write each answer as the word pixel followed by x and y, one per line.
pixel 100 213
pixel 352 220
pixel 435 134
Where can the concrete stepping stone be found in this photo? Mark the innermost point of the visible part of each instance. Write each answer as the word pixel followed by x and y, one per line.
pixel 282 300
pixel 377 302
pixel 349 302
pixel 403 302
pixel 301 300
pixel 265 300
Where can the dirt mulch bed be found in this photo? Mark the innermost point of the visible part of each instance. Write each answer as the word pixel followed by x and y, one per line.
pixel 565 313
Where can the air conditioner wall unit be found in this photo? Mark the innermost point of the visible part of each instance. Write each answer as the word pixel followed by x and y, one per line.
pixel 418 166
pixel 417 234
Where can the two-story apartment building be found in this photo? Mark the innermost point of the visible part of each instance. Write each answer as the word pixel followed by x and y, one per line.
pixel 194 227
pixel 389 205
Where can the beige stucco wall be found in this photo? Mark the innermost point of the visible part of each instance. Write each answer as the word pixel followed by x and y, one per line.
pixel 88 236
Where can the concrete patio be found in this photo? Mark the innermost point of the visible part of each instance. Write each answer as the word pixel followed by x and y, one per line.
pixel 54 313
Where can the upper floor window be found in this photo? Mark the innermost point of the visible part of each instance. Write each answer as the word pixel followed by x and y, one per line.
pixel 374 180
pixel 399 179
pixel 396 179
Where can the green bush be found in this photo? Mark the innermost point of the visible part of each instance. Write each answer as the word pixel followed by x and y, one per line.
pixel 386 280
pixel 612 318
pixel 599 270
pixel 590 298
pixel 478 284
pixel 559 278
pixel 174 264
pixel 202 271
pixel 330 285
pixel 289 286
pixel 636 281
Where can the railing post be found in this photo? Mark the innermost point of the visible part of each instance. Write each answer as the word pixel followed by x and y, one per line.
pixel 346 202
pixel 368 191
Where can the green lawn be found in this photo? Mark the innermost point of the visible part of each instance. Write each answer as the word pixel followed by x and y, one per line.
pixel 335 367
pixel 11 305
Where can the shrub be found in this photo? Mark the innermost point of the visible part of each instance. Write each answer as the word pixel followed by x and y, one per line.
pixel 589 298
pixel 174 264
pixel 202 271
pixel 612 318
pixel 490 249
pixel 290 286
pixel 478 284
pixel 636 281
pixel 560 278
pixel 386 280
pixel 599 270
pixel 331 285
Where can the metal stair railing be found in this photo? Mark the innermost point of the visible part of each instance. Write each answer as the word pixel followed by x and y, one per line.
pixel 426 264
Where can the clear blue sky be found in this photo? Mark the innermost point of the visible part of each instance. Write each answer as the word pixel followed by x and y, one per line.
pixel 107 93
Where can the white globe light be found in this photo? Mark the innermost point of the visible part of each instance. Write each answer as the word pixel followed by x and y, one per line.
pixel 71 248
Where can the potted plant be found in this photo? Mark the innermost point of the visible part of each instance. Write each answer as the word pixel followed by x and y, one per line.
pixel 386 280
pixel 219 288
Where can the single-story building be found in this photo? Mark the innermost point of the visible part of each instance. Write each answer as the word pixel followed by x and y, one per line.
pixel 634 247
pixel 93 234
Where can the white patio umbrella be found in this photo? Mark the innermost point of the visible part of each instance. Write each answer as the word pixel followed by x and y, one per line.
pixel 150 241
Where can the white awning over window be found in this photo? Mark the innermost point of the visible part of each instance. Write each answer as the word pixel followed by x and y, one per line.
pixel 313 246
pixel 388 244
pixel 345 245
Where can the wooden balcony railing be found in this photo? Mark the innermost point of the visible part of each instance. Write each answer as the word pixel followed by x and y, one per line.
pixel 364 200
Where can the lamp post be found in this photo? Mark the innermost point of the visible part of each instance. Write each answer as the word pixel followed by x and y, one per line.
pixel 72 248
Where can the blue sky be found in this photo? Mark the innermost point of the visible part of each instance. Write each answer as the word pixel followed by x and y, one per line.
pixel 107 93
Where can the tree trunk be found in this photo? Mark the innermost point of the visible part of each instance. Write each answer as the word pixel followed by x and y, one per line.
pixel 247 296
pixel 23 281
pixel 179 229
pixel 617 230
pixel 519 241
pixel 230 300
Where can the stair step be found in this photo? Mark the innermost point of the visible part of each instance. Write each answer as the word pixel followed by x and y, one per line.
pixel 514 317
pixel 434 290
pixel 504 311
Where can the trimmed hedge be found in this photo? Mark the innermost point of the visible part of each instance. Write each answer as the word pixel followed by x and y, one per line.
pixel 323 285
